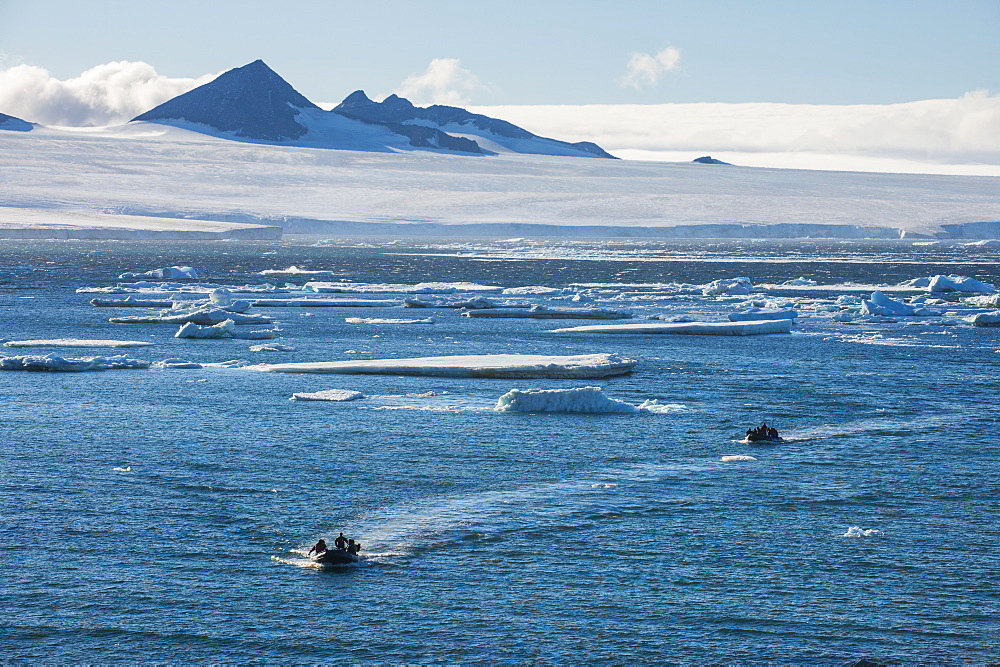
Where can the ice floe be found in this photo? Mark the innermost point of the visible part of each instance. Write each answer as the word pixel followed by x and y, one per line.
pixel 950 283
pixel 986 319
pixel 204 316
pixel 757 314
pixel 224 329
pixel 545 313
pixel 169 273
pixel 336 395
pixel 476 302
pixel 175 363
pixel 76 342
pixel 132 302
pixel 386 320
pixel 881 305
pixel 54 363
pixel 690 328
pixel 857 531
pixel 579 399
pixel 514 366
pixel 271 347
pixel 728 286
pixel 738 457
pixel 326 303
pixel 419 288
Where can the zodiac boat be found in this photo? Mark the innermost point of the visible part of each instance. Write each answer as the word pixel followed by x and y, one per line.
pixel 335 557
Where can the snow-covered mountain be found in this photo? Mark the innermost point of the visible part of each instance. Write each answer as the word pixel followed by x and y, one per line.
pixel 491 134
pixel 14 123
pixel 252 103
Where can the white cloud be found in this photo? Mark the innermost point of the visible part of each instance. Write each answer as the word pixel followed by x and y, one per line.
pixel 645 70
pixel 443 82
pixel 108 94
pixel 930 136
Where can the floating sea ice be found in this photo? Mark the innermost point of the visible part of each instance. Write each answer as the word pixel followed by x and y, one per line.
pixel 728 286
pixel 175 363
pixel 983 301
pixel 419 288
pixel 857 531
pixel 131 302
pixel 327 303
pixel 271 347
pixel 580 399
pixel 604 486
pixel 385 320
pixel 76 342
pixel 337 395
pixel 206 316
pixel 478 302
pixel 689 328
pixel 533 289
pixel 55 363
pixel 757 314
pixel 226 329
pixel 986 319
pixel 169 273
pixel 544 313
pixel 804 282
pixel 959 284
pixel 125 469
pixel 738 457
pixel 513 366
pixel 882 305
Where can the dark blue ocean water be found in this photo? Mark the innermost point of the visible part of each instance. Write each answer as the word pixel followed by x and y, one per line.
pixel 161 516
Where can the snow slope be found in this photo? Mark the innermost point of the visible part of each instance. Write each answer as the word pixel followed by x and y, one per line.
pixel 181 181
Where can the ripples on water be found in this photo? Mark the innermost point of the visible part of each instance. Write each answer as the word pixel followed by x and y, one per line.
pixel 164 515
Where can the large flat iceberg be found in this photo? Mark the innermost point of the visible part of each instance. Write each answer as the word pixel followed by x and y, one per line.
pixel 515 366
pixel 691 328
pixel 545 313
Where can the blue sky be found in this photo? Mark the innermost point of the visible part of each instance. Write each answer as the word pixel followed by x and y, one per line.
pixel 541 52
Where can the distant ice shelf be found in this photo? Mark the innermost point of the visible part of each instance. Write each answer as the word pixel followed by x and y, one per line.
pixel 514 366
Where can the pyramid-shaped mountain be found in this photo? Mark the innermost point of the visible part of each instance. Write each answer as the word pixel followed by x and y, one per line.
pixel 251 102
pixel 14 123
pixel 489 133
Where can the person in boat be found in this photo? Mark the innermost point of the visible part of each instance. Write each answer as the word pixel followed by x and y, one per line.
pixel 340 542
pixel 319 547
pixel 772 433
pixel 353 547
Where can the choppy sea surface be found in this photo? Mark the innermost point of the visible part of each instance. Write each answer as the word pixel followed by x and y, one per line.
pixel 164 515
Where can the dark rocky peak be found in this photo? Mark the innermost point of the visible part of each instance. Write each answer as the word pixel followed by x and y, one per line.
pixel 250 101
pixel 14 123
pixel 708 159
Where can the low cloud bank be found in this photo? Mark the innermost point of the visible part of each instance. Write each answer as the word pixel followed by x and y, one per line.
pixel 933 133
pixel 108 94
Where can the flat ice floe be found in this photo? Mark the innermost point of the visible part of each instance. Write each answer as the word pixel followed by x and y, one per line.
pixel 326 303
pixel 545 313
pixel 590 400
pixel 54 363
pixel 76 342
pixel 419 288
pixel 335 395
pixel 385 320
pixel 691 328
pixel 515 366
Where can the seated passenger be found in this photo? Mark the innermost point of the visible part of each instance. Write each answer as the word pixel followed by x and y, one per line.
pixel 353 547
pixel 319 547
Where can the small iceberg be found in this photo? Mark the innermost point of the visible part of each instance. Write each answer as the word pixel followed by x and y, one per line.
pixel 986 319
pixel 857 531
pixel 169 273
pixel 588 400
pixel 176 364
pixel 224 329
pixel 204 316
pixel 326 303
pixel 738 457
pixel 335 395
pixel 881 305
pixel 740 286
